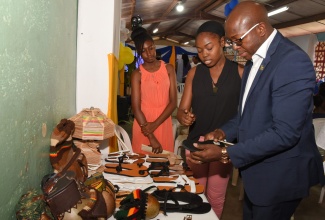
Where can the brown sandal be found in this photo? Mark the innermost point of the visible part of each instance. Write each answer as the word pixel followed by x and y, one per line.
pixel 128 166
pixel 170 179
pixel 126 172
pixel 186 188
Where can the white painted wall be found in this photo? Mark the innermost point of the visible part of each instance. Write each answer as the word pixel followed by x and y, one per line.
pixel 98 35
pixel 307 43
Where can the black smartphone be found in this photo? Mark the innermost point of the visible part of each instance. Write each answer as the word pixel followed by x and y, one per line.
pixel 187 144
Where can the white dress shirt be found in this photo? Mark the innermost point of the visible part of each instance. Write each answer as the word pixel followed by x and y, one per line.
pixel 257 59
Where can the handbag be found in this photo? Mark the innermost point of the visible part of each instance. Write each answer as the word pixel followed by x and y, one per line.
pixel 61 192
pixel 66 200
pixel 62 186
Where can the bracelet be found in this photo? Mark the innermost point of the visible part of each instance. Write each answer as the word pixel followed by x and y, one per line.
pixel 144 124
pixel 224 156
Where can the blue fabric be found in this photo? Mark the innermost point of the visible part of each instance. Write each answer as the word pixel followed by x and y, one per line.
pixel 180 50
pixel 166 52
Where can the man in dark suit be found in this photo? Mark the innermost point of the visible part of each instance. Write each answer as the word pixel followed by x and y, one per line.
pixel 276 151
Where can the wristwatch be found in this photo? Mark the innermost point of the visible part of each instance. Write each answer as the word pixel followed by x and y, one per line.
pixel 224 156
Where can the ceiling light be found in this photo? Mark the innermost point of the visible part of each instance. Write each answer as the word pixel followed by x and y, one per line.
pixel 277 11
pixel 186 43
pixel 179 6
pixel 155 30
pixel 169 39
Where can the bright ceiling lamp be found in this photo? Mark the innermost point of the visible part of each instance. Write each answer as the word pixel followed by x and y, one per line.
pixel 180 6
pixel 277 11
pixel 186 43
pixel 155 30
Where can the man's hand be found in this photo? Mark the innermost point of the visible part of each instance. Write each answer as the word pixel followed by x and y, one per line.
pixel 207 153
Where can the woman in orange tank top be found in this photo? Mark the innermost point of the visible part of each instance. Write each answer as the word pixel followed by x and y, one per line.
pixel 153 97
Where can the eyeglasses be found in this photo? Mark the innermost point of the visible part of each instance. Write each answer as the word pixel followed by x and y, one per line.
pixel 238 42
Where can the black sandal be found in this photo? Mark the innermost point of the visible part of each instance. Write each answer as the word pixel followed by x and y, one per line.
pixel 194 203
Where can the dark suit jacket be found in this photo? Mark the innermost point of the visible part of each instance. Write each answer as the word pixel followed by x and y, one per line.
pixel 276 151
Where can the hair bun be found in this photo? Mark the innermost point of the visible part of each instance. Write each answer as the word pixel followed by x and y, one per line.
pixel 139 32
pixel 212 27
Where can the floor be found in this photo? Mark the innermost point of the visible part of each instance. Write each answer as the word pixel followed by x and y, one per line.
pixel 309 208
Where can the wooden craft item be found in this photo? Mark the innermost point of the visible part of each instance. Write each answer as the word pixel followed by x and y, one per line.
pixel 92 124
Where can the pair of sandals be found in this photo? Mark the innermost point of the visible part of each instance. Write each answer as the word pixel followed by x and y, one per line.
pixel 131 170
pixel 139 170
pixel 182 202
pixel 137 204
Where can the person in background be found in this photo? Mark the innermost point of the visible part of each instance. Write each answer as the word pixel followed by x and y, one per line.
pixel 321 89
pixel 319 109
pixel 275 153
pixel 186 66
pixel 195 61
pixel 153 97
pixel 158 55
pixel 179 69
pixel 319 102
pixel 212 92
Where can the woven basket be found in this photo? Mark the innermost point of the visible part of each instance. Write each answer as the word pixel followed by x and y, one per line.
pixel 92 124
pixel 90 150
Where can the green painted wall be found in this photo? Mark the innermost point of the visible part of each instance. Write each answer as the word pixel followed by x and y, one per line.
pixel 37 85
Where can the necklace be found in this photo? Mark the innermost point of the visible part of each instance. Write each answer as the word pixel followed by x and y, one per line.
pixel 214 87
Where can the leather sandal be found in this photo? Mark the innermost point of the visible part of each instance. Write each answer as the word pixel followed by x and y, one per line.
pixel 171 156
pixel 130 166
pixel 161 165
pixel 152 160
pixel 193 202
pixel 132 170
pixel 127 172
pixel 170 173
pixel 165 167
pixel 170 179
pixel 199 189
pixel 128 154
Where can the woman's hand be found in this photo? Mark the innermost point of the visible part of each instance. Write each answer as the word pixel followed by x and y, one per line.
pixel 148 128
pixel 154 143
pixel 186 118
pixel 215 135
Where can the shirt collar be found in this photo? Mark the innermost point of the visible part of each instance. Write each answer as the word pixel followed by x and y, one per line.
pixel 261 51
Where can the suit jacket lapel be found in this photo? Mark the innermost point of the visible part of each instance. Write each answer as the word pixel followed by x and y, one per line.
pixel 247 69
pixel 264 64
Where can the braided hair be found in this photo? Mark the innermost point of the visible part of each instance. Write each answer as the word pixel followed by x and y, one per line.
pixel 139 36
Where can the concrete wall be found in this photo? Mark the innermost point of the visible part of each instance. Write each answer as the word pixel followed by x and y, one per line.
pixel 98 35
pixel 307 43
pixel 37 89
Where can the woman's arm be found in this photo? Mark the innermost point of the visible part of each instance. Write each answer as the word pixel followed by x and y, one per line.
pixel 184 116
pixel 136 97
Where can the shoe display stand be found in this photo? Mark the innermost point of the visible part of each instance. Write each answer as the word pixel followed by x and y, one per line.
pixel 129 183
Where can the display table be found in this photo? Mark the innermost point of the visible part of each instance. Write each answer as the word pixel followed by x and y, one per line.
pixel 131 183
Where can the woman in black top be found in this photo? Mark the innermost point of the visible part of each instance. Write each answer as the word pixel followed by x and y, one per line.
pixel 210 98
